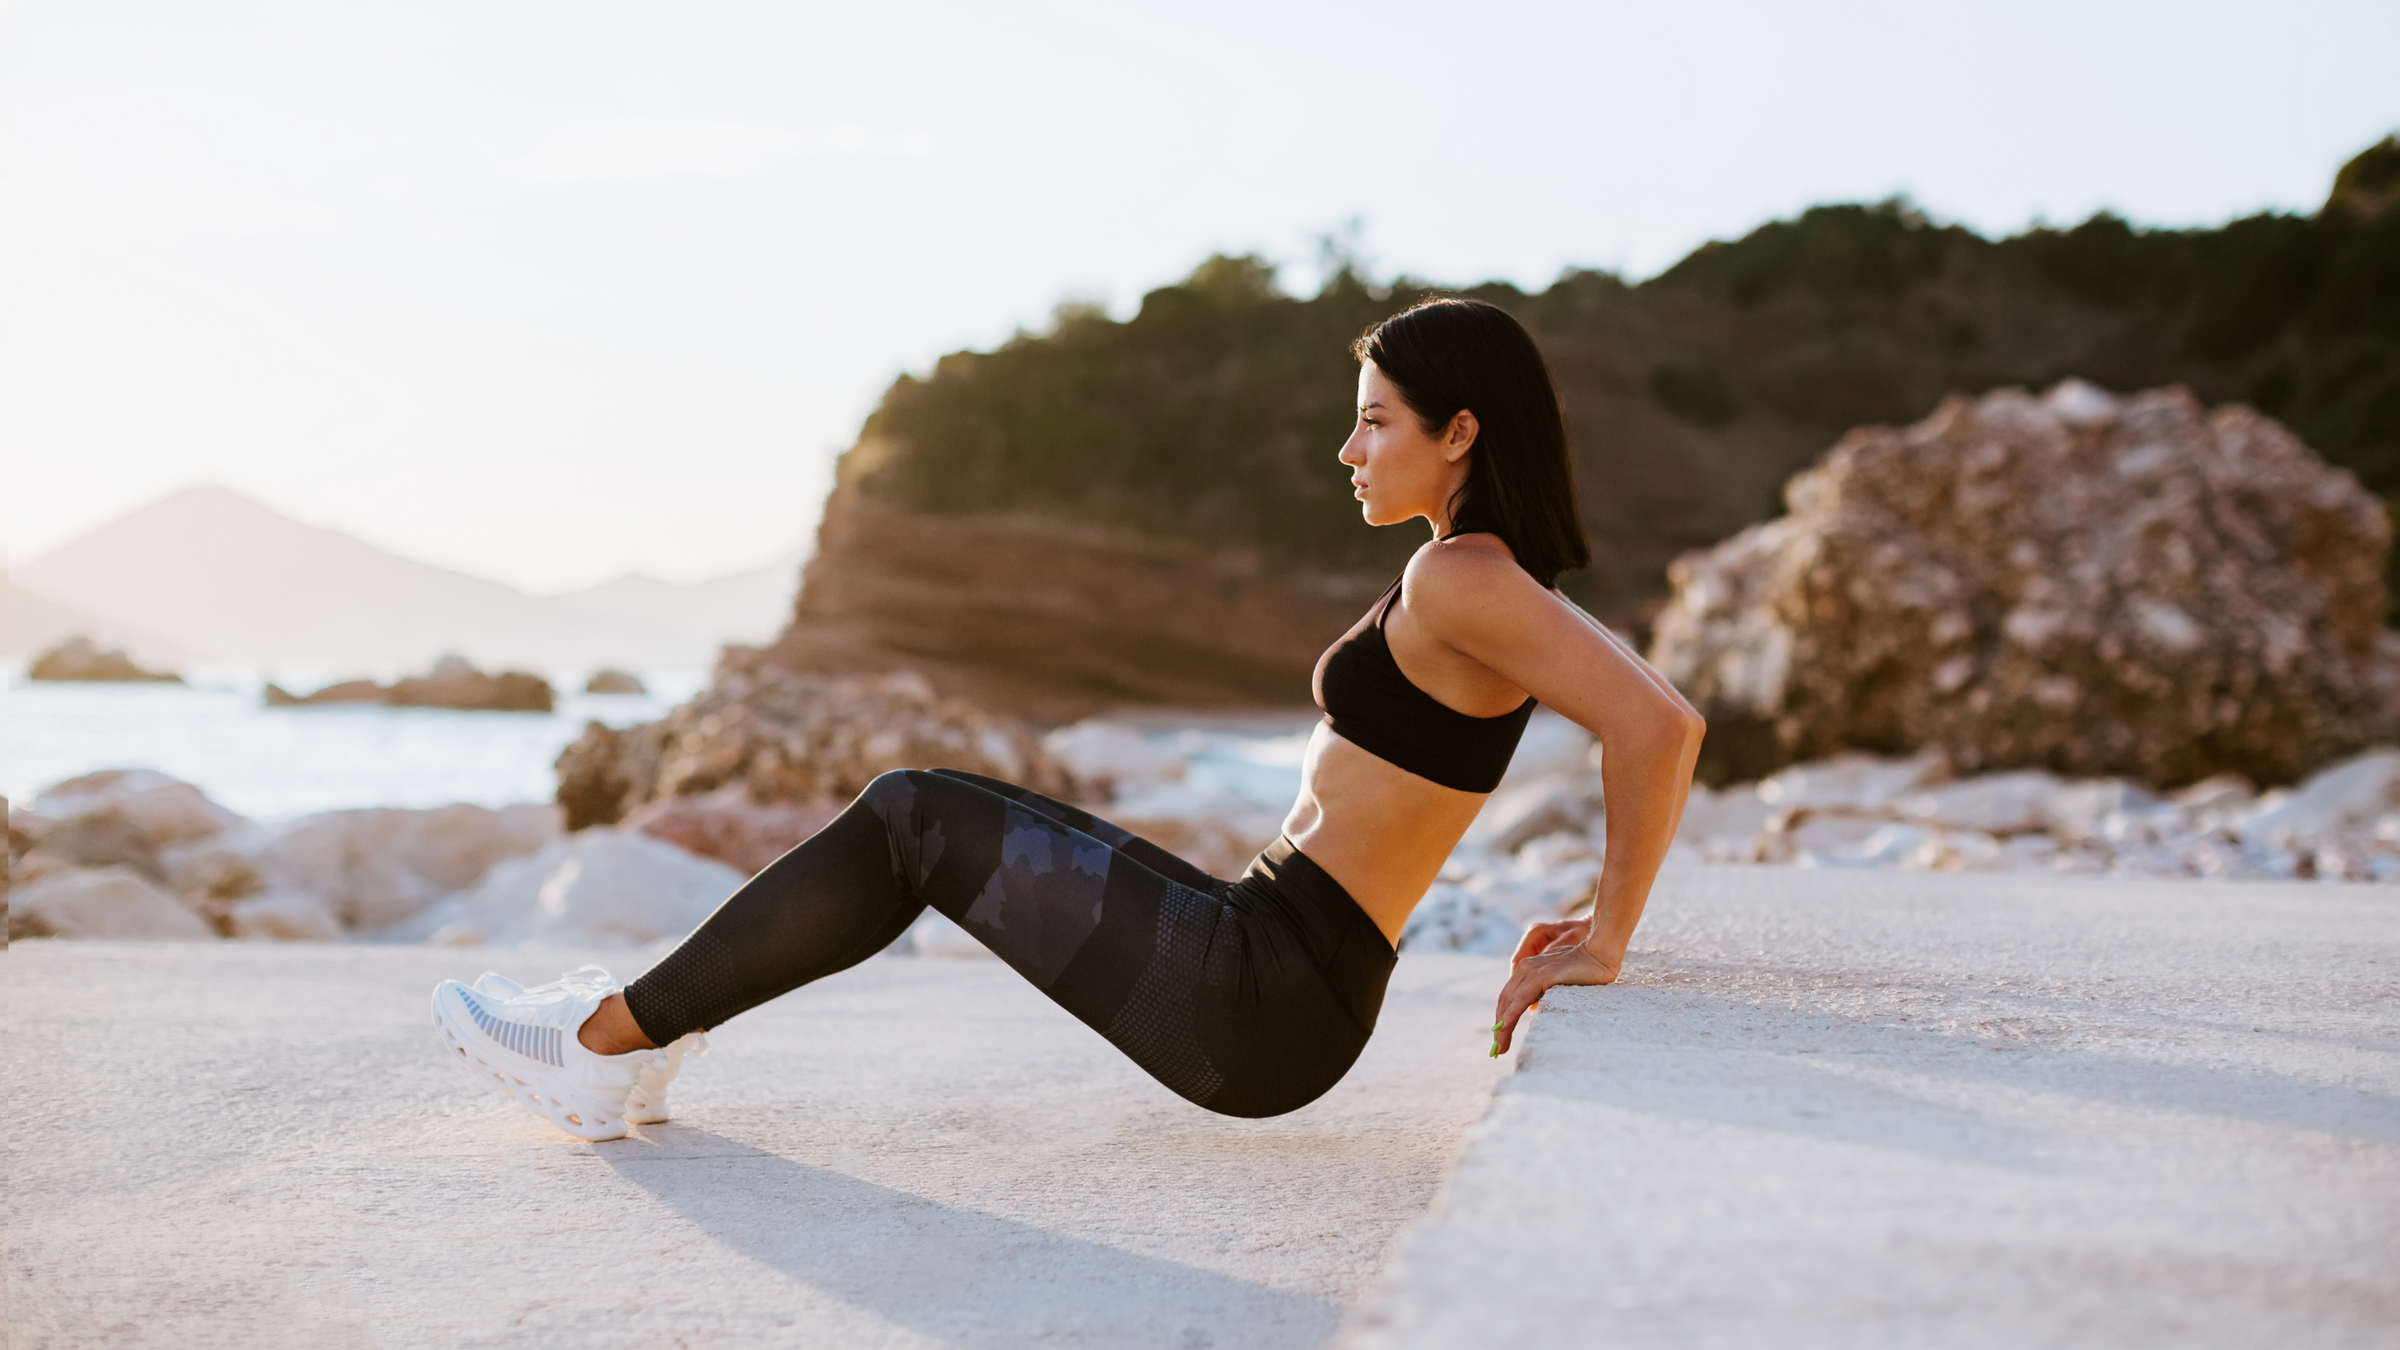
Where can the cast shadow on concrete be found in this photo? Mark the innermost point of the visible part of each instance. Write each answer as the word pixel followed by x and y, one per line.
pixel 969 1278
pixel 1706 1057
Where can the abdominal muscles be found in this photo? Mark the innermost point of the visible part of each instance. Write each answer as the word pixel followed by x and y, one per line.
pixel 1379 830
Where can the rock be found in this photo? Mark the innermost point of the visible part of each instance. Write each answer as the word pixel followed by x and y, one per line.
pixel 106 902
pixel 95 839
pixel 1723 826
pixel 1453 919
pixel 1217 833
pixel 2079 583
pixel 1851 781
pixel 347 691
pixel 1531 808
pixel 790 737
pixel 1106 760
pixel 1996 804
pixel 615 682
pixel 453 683
pixel 1552 747
pixel 283 916
pixel 2352 793
pixel 600 887
pixel 166 811
pixel 376 867
pixel 81 659
pixel 732 827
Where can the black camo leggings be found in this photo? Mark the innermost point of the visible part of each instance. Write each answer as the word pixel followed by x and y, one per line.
pixel 1248 997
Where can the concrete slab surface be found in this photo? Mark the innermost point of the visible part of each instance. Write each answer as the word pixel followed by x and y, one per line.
pixel 251 1145
pixel 1875 1109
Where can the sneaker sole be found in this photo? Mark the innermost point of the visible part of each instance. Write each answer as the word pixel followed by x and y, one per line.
pixel 647 1104
pixel 542 1093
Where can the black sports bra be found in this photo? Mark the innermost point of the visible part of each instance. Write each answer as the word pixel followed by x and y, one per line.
pixel 1369 703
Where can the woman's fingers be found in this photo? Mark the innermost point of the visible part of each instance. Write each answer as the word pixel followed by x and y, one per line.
pixel 1536 941
pixel 1548 937
pixel 1536 975
pixel 1525 987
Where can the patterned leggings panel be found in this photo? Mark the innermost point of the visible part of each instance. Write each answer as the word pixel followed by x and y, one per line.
pixel 1217 989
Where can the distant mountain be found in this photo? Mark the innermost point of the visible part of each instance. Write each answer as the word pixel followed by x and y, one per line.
pixel 750 606
pixel 231 580
pixel 30 624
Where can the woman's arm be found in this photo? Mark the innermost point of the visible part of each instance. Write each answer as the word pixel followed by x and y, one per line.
pixel 1483 605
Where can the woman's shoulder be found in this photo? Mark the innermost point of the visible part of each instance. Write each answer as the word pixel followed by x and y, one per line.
pixel 1463 574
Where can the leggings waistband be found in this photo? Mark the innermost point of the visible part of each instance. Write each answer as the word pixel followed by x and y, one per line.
pixel 1344 944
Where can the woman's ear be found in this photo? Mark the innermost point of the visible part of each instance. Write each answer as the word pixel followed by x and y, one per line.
pixel 1460 437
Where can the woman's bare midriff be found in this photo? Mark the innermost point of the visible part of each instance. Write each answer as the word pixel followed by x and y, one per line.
pixel 1379 830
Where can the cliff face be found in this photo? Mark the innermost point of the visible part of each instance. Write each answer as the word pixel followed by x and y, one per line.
pixel 1151 510
pixel 1057 618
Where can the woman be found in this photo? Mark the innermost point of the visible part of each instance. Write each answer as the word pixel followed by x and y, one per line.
pixel 1249 997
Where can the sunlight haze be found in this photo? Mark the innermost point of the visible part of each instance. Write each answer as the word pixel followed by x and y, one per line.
pixel 553 292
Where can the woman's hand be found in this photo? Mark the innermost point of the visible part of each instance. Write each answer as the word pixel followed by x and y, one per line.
pixel 1551 954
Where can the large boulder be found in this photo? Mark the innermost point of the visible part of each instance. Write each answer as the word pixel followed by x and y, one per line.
pixel 602 887
pixel 732 827
pixel 2082 583
pixel 370 868
pixel 788 737
pixel 102 902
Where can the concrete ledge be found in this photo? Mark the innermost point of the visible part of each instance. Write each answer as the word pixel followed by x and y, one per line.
pixel 1851 1109
pixel 245 1145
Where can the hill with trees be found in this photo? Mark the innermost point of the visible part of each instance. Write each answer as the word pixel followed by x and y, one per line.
pixel 1199 434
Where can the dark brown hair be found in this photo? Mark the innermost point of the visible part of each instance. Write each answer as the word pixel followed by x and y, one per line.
pixel 1445 355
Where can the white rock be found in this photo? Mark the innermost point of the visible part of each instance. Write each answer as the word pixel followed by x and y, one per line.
pixel 1552 747
pixel 1453 919
pixel 599 887
pixel 1109 759
pixel 2352 792
pixel 2080 809
pixel 1723 826
pixel 377 867
pixel 103 902
pixel 284 916
pixel 1217 832
pixel 165 810
pixel 1998 803
pixel 1531 808
pixel 1858 781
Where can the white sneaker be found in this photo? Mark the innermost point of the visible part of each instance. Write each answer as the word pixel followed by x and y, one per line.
pixel 525 1043
pixel 646 1104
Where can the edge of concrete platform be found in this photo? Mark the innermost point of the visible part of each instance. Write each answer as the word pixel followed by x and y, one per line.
pixel 1957 1110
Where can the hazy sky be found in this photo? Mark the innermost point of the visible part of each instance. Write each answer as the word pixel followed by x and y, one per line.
pixel 550 291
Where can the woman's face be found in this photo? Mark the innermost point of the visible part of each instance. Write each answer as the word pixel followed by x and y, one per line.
pixel 1397 470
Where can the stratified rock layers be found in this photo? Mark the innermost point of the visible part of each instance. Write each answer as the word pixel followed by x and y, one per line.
pixel 1056 619
pixel 2079 583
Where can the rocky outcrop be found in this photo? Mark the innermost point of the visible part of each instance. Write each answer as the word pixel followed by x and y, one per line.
pixel 1055 619
pixel 452 683
pixel 615 682
pixel 732 826
pixel 602 887
pixel 81 659
pixel 313 877
pixel 2081 583
pixel 789 737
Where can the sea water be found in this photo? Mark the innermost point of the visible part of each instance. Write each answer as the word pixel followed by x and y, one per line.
pixel 267 763
pixel 270 763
